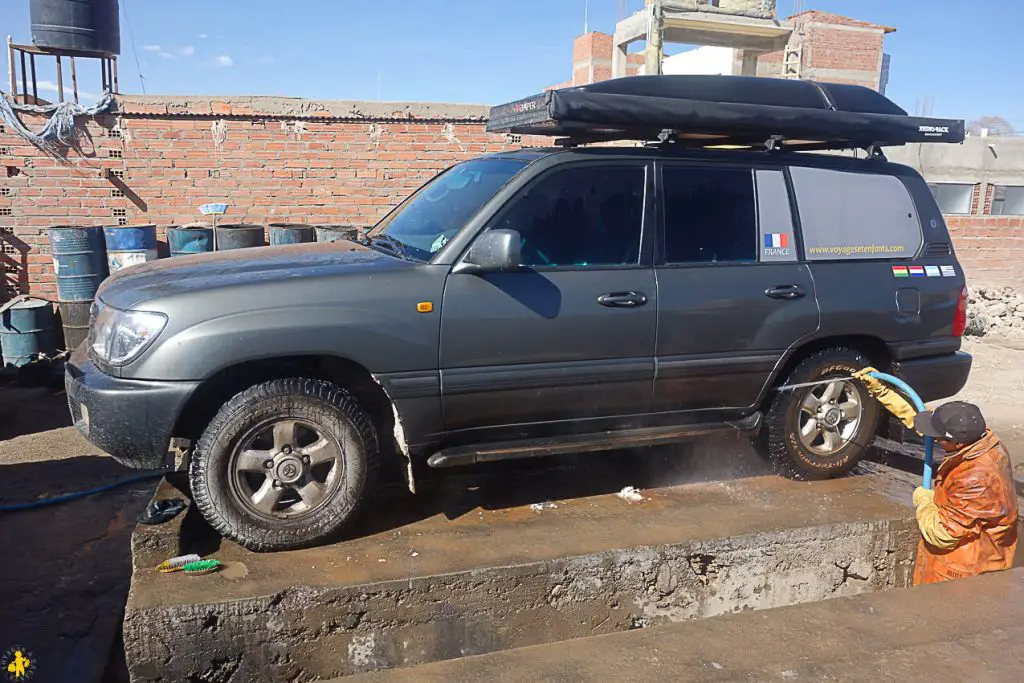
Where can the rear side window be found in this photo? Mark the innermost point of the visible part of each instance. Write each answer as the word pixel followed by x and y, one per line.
pixel 847 216
pixel 709 215
pixel 581 216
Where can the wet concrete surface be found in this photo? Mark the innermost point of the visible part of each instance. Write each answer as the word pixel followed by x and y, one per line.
pixel 969 630
pixel 509 557
pixel 512 515
pixel 66 568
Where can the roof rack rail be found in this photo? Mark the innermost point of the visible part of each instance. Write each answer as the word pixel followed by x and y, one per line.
pixel 722 111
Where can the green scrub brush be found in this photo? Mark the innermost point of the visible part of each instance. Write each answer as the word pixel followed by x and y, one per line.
pixel 201 567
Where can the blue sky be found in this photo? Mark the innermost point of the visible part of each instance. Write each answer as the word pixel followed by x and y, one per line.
pixel 966 56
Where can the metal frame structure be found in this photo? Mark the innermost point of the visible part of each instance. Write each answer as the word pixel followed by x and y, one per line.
pixel 26 55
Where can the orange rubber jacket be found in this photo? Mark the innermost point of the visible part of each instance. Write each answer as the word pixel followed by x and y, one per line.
pixel 977 505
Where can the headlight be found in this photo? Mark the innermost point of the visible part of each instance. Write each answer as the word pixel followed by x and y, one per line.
pixel 119 336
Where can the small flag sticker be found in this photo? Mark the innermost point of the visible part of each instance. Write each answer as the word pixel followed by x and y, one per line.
pixel 948 271
pixel 776 240
pixel 899 271
pixel 916 271
pixel 932 271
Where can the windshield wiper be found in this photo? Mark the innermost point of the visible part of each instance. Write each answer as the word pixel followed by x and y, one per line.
pixel 390 244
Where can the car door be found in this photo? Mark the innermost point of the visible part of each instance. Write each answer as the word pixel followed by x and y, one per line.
pixel 732 295
pixel 570 335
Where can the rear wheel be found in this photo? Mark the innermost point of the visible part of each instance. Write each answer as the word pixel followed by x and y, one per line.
pixel 284 464
pixel 822 431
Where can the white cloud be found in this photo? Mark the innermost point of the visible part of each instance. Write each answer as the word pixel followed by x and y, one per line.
pixel 203 35
pixel 265 59
pixel 183 51
pixel 221 62
pixel 152 48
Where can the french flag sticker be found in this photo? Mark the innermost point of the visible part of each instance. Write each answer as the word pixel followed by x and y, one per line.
pixel 776 240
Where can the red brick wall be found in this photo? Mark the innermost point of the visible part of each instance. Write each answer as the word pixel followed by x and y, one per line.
pixel 633 62
pixel 989 248
pixel 989 196
pixel 835 47
pixel 838 44
pixel 593 45
pixel 267 170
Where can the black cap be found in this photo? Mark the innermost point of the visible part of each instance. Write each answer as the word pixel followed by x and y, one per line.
pixel 956 421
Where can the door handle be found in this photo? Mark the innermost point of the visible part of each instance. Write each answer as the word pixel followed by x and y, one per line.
pixel 622 299
pixel 786 292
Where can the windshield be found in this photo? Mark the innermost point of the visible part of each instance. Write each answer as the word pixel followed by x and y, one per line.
pixel 437 211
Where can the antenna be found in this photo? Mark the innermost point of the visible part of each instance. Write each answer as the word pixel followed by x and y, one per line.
pixel 586 17
pixel 623 10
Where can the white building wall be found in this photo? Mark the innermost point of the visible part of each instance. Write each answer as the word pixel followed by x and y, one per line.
pixel 708 60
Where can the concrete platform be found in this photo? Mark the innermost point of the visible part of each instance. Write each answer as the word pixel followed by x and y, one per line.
pixel 968 630
pixel 469 567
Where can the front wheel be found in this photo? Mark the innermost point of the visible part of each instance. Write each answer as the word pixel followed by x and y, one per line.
pixel 822 431
pixel 284 464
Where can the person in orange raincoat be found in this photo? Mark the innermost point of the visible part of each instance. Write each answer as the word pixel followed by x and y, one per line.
pixel 968 521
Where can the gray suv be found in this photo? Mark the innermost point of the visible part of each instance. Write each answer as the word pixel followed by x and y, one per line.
pixel 530 303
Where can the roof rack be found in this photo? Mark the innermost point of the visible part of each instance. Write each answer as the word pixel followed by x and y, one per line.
pixel 722 111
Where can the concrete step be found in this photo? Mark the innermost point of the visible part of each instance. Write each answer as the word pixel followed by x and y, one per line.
pixel 462 570
pixel 969 630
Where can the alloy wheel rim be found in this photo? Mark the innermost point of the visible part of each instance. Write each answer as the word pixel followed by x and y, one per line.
pixel 830 416
pixel 286 468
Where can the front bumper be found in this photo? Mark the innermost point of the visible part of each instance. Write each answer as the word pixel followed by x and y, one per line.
pixel 132 420
pixel 936 377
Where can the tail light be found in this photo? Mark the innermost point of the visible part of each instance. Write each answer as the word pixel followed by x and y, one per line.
pixel 960 318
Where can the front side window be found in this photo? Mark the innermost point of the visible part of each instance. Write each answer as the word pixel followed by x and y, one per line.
pixel 580 216
pixel 953 198
pixel 709 215
pixel 425 222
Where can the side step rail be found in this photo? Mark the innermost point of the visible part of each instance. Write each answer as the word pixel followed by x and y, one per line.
pixel 602 441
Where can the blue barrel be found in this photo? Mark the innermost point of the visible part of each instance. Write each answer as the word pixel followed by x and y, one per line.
pixel 239 236
pixel 74 320
pixel 80 261
pixel 291 233
pixel 336 233
pixel 26 330
pixel 189 239
pixel 129 245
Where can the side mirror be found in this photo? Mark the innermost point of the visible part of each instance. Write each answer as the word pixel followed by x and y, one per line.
pixel 494 250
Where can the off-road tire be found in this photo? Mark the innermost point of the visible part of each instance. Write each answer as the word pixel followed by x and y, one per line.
pixel 322 402
pixel 788 455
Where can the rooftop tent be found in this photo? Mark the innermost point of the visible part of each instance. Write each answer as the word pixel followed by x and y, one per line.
pixel 713 110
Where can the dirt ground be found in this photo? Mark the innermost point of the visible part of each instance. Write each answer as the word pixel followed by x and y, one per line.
pixel 66 573
pixel 997 387
pixel 67 567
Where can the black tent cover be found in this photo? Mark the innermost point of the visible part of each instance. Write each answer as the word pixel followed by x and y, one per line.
pixel 721 108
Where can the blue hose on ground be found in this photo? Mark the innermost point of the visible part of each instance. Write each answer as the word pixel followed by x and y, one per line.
pixel 929 442
pixel 78 494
